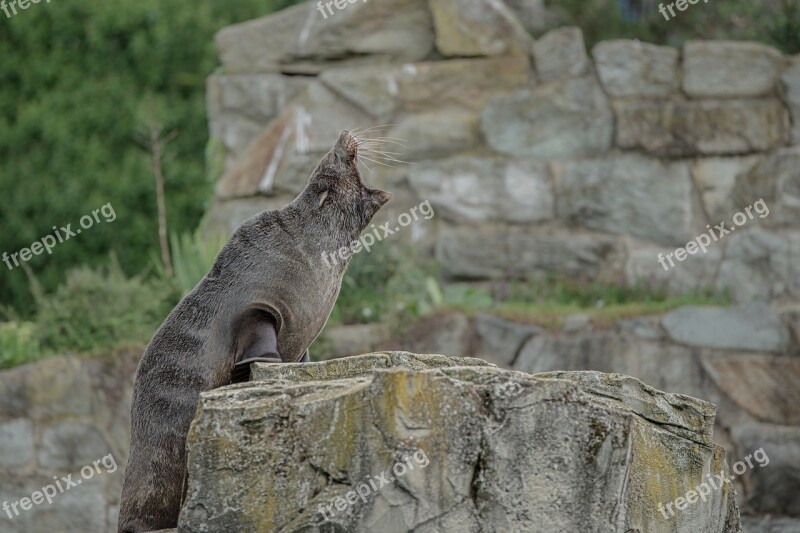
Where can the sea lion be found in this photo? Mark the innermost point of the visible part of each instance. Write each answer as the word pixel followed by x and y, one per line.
pixel 267 297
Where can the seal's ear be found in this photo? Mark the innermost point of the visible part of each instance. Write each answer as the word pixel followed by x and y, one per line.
pixel 322 197
pixel 380 197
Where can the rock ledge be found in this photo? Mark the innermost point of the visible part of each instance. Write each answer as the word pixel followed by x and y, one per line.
pixel 503 451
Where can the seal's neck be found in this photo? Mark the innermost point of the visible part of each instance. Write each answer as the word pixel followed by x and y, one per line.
pixel 330 232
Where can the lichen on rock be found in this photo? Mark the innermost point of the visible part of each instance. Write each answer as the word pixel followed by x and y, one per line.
pixel 505 451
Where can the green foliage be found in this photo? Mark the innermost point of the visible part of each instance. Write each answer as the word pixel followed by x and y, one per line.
pixel 775 22
pixel 548 301
pixel 601 20
pixel 78 83
pixel 390 285
pixel 18 344
pixel 581 292
pixel 467 296
pixel 99 309
pixel 193 255
pixel 384 283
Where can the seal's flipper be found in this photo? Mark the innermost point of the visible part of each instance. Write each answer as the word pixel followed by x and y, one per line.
pixel 241 371
pixel 256 336
pixel 256 340
pixel 306 358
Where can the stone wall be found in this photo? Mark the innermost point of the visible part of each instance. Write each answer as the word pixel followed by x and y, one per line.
pixel 537 156
pixel 58 416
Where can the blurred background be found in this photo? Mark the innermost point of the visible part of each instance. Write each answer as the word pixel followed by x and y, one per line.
pixel 562 145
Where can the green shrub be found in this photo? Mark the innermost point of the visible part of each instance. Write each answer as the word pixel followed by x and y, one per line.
pixel 391 285
pixel 549 300
pixel 775 22
pixel 18 344
pixel 77 80
pixel 387 282
pixel 601 20
pixel 192 255
pixel 99 309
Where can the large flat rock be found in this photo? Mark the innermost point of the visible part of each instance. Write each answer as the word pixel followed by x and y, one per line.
pixel 558 120
pixel 627 194
pixel 678 128
pixel 748 327
pixel 301 40
pixel 480 189
pixel 561 53
pixel 730 69
pixel 478 28
pixel 435 134
pixel 764 386
pixel 633 68
pixel 428 85
pixel 500 251
pixel 461 447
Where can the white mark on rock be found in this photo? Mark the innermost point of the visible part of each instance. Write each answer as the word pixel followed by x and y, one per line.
pixel 495 5
pixel 418 232
pixel 306 31
pixel 302 120
pixel 410 69
pixel 333 422
pixel 268 179
pixel 391 85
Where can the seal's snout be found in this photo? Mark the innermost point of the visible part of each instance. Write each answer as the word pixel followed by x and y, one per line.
pixel 347 145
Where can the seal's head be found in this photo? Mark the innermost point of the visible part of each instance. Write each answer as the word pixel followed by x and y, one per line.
pixel 336 189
